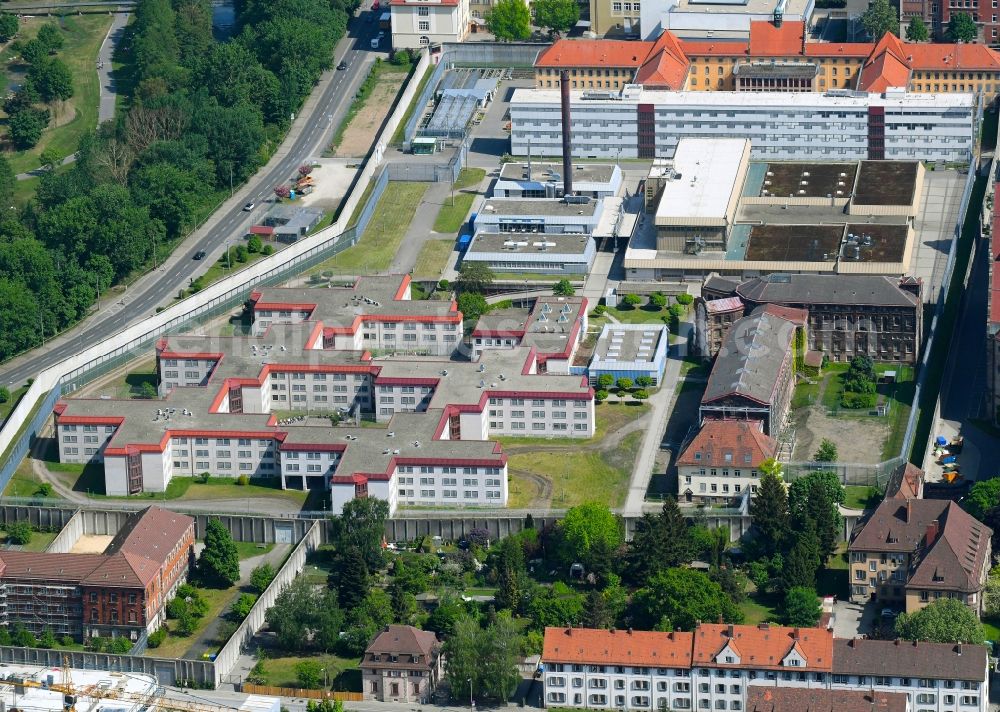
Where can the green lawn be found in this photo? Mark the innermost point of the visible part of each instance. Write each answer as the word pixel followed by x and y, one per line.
pixel 249 549
pixel 760 609
pixel 280 671
pixel 379 243
pixel 991 626
pixel 695 367
pixel 39 541
pixel 806 393
pixel 24 483
pixel 638 315
pixel 452 214
pixel 860 497
pixel 469 178
pixel 174 646
pixel 433 258
pixel 83 35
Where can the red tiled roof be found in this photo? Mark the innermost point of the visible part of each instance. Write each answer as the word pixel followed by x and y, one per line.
pixel 766 40
pixel 886 67
pixel 763 646
pixel 152 535
pixel 35 566
pixel 798 699
pixel 621 647
pixel 735 443
pixel 594 53
pixel 714 48
pixel 793 314
pixel 666 67
pixel 838 49
pixel 951 56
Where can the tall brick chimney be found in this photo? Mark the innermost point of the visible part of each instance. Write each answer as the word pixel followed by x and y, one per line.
pixel 932 533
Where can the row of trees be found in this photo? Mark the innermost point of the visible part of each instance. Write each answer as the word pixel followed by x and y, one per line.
pixel 880 17
pixel 197 125
pixel 511 20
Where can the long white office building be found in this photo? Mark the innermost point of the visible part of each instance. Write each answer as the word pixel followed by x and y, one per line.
pixel 837 125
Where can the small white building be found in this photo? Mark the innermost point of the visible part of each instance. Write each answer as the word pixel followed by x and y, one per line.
pixel 718 20
pixel 630 351
pixel 545 180
pixel 420 23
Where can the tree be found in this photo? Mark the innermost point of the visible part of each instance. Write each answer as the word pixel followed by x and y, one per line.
pixel 826 452
pixel 557 15
pixel 242 605
pixel 563 288
pixel 51 37
pixel 991 595
pixel 946 620
pixel 554 606
pixel 641 394
pixel 22 637
pixel 962 28
pixel 4 394
pixel 26 127
pixel 475 277
pixel 19 533
pixel 632 300
pixel 802 608
pixel 803 559
pixel 241 253
pixel 644 381
pixel 349 577
pixel 769 508
pixel 305 169
pixel 605 381
pixel 147 391
pixel 48 639
pixel 509 20
pixel 624 383
pixel 7 180
pixel 9 26
pixel 879 18
pixel 916 30
pixel 600 395
pixel 657 300
pixel 485 659
pixel 684 299
pixel 33 51
pixel 309 674
pixel 305 617
pixel 254 244
pixel 584 529
pixel 983 496
pixel 261 577
pixel 679 598
pixel 822 513
pixel 660 542
pixel 281 192
pixel 219 562
pixel 362 525
pixel 472 305
pixel 507 560
pixel 52 78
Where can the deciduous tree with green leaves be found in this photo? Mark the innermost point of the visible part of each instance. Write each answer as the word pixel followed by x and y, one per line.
pixel 563 288
pixel 362 524
pixel 9 26
pixel 916 30
pixel 946 620
pixel 588 528
pixel 983 496
pixel 219 563
pixel 826 452
pixel 475 276
pixel 680 597
pixel 509 20
pixel 879 18
pixel 962 28
pixel 802 607
pixel 556 15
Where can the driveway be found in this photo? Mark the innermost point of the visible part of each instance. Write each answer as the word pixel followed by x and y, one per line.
pixel 852 620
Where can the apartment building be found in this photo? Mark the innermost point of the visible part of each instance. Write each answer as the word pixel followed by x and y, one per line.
pixel 216 417
pixel 120 592
pixel 420 23
pixel 554 327
pixel 720 462
pixel 375 313
pixel 724 667
pixel 753 374
pixel 833 126
pixel 773 57
pixel 849 315
pixel 911 552
pixel 790 699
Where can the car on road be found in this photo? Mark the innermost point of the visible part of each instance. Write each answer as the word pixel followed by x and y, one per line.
pixel 199 255
pixel 342 66
pixel 249 206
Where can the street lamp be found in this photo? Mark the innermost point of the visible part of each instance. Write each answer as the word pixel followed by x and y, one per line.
pixel 472 704
pixel 325 685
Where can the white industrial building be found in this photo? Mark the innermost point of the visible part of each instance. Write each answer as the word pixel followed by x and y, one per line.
pixel 545 180
pixel 837 125
pixel 43 689
pixel 717 19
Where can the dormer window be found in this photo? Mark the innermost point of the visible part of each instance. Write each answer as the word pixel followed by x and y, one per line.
pixel 794 662
pixel 730 659
pixel 376 657
pixel 393 658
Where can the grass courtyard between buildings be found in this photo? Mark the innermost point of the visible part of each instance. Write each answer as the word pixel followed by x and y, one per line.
pixel 562 473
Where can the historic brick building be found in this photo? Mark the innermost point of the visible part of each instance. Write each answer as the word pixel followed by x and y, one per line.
pixel 121 592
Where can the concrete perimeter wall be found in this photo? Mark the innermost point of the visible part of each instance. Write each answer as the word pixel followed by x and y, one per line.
pixel 230 653
pixel 68 536
pixel 167 671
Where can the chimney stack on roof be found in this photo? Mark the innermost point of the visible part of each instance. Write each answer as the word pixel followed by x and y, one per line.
pixel 932 533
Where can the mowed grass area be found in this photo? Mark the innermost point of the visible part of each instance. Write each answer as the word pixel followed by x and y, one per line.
pixel 250 549
pixel 469 178
pixel 861 497
pixel 279 671
pixel 452 214
pixel 39 541
pixel 6 408
pixel 83 35
pixel 433 258
pixel 575 476
pixel 638 315
pixel 381 240
pixel 760 608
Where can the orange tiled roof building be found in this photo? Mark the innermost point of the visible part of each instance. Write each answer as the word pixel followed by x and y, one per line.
pixel 775 58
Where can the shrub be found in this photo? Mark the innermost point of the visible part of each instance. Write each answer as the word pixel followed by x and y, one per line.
pixel 858 401
pixel 47 640
pixel 66 641
pixel 309 674
pixel 401 58
pixel 120 645
pixel 600 396
pixel 242 605
pixel 243 480
pixel 254 244
pixel 261 577
pixel 157 637
pixel 44 489
pixel 268 250
pixel 176 608
pixel 4 394
pixel 600 310
pixel 241 253
pixel 444 285
pixel 19 533
pixel 684 299
pixel 657 300
pixel 632 300
pixel 204 477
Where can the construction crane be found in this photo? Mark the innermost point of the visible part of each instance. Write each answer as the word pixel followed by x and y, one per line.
pixel 152 700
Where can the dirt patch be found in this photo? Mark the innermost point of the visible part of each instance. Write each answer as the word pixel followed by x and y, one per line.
pixel 858 438
pixel 91 544
pixel 366 123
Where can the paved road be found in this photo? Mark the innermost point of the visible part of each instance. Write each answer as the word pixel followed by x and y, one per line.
pixel 106 105
pixel 309 132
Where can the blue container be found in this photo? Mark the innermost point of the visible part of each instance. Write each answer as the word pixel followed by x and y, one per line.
pixel 463 242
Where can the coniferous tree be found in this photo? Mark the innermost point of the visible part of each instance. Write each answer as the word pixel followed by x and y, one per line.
pixel 769 509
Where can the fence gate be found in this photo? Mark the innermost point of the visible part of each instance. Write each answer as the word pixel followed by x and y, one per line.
pixel 165 674
pixel 283 533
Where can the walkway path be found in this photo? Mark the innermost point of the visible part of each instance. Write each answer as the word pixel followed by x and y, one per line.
pixel 661 401
pixel 106 81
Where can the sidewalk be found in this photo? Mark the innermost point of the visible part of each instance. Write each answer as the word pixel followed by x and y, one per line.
pixel 421 228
